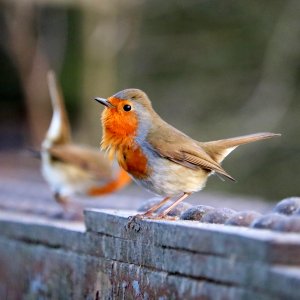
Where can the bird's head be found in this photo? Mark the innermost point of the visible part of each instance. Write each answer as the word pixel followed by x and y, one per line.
pixel 127 114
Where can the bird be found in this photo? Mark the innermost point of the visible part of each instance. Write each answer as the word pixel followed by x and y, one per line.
pixel 72 169
pixel 158 156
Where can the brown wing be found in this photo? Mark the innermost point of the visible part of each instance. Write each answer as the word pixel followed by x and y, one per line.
pixel 88 159
pixel 171 143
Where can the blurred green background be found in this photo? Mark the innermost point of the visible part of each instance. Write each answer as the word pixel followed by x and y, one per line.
pixel 213 69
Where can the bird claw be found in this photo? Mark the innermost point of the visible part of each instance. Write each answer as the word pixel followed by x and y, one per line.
pixel 165 217
pixel 138 217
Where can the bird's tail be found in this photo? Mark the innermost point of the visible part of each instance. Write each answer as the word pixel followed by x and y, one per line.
pixel 219 149
pixel 121 181
pixel 59 130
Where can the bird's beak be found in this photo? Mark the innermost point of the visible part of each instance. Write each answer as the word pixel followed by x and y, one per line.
pixel 104 102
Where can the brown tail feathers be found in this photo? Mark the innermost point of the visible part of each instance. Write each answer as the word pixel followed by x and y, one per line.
pixel 219 149
pixel 59 131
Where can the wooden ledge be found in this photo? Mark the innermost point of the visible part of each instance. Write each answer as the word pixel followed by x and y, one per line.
pixel 178 260
pixel 223 240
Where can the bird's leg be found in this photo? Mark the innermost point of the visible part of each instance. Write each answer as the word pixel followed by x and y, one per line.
pixel 149 212
pixel 132 220
pixel 155 207
pixel 166 211
pixel 62 201
pixel 70 211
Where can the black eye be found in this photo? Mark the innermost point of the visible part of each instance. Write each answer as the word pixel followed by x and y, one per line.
pixel 127 107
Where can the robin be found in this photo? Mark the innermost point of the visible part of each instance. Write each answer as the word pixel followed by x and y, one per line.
pixel 159 157
pixel 74 169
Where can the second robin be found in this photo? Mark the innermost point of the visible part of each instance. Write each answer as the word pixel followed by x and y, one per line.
pixel 69 168
pixel 158 156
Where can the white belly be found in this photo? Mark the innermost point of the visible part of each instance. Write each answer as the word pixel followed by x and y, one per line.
pixel 169 179
pixel 65 178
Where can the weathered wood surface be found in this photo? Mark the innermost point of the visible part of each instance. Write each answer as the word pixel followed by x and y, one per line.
pixel 245 243
pixel 183 260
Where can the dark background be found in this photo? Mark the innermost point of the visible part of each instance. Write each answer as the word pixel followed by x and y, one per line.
pixel 214 69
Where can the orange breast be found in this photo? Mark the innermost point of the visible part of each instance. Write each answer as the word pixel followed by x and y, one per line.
pixel 119 132
pixel 134 161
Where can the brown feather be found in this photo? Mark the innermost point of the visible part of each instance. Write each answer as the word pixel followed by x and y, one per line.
pixel 219 149
pixel 85 158
pixel 63 133
pixel 171 143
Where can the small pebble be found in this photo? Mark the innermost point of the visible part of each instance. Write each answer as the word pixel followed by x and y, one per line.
pixel 268 221
pixel 195 213
pixel 287 206
pixel 243 218
pixel 290 224
pixel 218 215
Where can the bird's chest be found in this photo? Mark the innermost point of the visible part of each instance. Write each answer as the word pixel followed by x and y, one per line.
pixel 134 161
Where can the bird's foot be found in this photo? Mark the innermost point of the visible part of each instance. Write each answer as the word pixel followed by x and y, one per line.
pixel 69 211
pixel 165 217
pixel 151 216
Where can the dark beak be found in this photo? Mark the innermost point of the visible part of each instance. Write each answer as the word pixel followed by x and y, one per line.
pixel 103 102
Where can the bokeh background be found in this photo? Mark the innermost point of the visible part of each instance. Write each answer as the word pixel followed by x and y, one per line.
pixel 212 68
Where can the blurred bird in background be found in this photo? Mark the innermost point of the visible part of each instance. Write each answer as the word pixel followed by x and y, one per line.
pixel 71 169
pixel 158 156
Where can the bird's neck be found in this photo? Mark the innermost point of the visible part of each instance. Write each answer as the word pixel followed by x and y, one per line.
pixel 113 143
pixel 128 153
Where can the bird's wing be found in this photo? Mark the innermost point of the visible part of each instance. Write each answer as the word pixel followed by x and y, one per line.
pixel 88 159
pixel 174 145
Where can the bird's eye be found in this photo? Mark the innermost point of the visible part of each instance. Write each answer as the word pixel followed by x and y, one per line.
pixel 127 107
